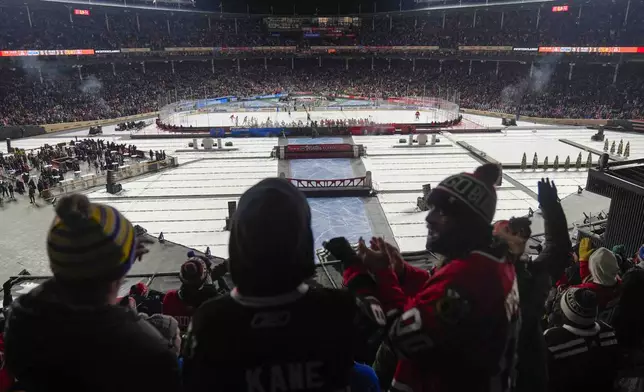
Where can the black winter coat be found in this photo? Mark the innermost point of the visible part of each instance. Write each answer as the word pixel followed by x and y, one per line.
pixel 53 346
pixel 535 280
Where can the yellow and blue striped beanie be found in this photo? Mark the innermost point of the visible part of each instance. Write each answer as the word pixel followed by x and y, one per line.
pixel 89 241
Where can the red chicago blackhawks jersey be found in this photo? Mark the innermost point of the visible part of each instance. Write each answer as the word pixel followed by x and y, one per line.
pixel 456 333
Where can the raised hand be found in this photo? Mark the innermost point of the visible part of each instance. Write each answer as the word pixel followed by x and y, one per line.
pixel 547 193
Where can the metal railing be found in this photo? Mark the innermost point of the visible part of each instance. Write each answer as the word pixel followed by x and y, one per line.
pixel 357 182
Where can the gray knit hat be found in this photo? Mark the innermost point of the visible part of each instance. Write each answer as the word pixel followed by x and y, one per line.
pixel 166 325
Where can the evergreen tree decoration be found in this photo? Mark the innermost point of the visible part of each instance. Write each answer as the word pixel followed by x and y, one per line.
pixel 589 161
pixel 578 162
pixel 567 163
pixel 620 148
pixel 535 162
pixel 627 150
pixel 524 162
pixel 555 164
pixel 612 148
pixel 545 164
pixel 606 145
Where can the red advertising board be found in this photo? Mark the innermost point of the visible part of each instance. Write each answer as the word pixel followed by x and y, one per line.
pixel 56 52
pixel 559 8
pixel 319 148
pixel 81 12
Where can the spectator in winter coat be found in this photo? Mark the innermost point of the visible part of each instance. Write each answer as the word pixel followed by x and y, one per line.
pixel 274 331
pixel 628 320
pixel 583 354
pixel 599 272
pixel 458 333
pixel 6 378
pixel 196 288
pixel 68 334
pixel 534 279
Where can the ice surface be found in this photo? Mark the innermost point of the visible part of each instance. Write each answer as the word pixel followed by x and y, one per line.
pixel 321 169
pixel 379 116
pixel 315 140
pixel 339 217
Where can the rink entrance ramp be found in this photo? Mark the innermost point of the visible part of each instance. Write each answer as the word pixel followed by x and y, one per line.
pixel 315 151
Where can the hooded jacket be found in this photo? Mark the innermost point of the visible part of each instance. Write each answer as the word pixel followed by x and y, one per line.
pixel 54 346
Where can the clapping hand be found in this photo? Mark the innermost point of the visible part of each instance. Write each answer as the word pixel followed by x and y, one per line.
pixel 377 257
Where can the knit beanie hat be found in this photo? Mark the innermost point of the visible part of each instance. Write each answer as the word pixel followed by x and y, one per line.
pixel 271 241
pixel 603 267
pixel 193 272
pixel 166 325
pixel 579 306
pixel 472 195
pixel 139 289
pixel 89 241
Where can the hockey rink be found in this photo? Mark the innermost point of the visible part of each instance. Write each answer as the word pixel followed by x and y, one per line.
pixel 187 119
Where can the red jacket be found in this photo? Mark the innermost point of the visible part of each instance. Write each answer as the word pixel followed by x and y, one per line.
pixel 175 307
pixel 458 331
pixel 6 379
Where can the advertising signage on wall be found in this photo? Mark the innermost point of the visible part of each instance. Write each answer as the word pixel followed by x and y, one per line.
pixel 58 52
pixel 525 49
pixel 591 49
pixel 560 8
pixel 81 12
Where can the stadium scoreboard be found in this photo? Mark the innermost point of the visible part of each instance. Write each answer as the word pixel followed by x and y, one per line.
pixel 313 27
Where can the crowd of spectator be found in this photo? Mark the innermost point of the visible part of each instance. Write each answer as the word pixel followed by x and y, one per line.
pixel 549 90
pixel 50 26
pixel 485 317
pixel 41 169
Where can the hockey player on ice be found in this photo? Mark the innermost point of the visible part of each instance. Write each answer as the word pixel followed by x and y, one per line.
pixel 417 115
